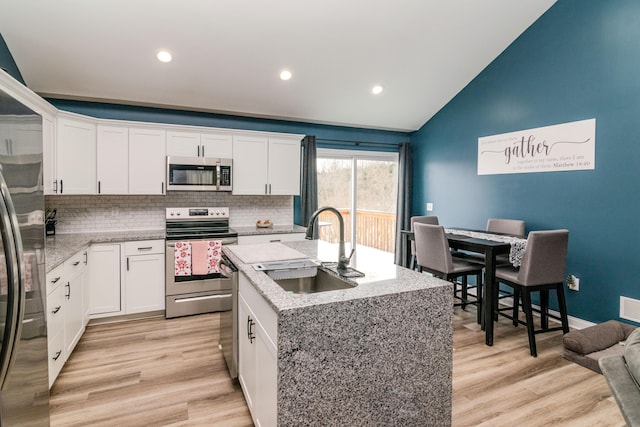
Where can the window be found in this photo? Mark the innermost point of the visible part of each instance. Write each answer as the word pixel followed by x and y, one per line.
pixel 364 183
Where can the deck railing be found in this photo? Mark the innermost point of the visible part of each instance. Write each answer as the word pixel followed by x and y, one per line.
pixel 374 229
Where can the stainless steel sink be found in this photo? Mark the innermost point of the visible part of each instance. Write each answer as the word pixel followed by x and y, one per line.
pixel 321 282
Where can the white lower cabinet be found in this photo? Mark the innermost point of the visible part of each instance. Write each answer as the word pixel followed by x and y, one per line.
pixel 104 284
pixel 66 316
pixel 75 276
pixel 258 355
pixel 55 322
pixel 144 276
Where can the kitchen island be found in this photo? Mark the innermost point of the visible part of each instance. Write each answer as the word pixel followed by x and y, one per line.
pixel 376 354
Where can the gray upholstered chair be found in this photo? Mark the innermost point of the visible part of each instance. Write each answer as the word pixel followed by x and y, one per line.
pixel 543 269
pixel 506 226
pixel 429 219
pixel 434 256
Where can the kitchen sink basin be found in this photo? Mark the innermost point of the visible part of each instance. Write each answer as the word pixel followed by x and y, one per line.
pixel 321 282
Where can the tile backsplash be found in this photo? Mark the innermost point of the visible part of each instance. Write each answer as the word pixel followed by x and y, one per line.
pixel 79 214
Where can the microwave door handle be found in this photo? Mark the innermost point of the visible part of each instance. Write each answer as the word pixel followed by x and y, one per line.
pixel 218 175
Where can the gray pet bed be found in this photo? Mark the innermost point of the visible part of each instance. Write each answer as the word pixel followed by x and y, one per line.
pixel 586 346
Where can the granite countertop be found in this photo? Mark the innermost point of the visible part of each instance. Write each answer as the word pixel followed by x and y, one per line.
pixel 252 230
pixel 60 247
pixel 381 277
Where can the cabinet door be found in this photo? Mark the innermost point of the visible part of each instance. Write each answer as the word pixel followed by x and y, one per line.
pixel 284 166
pixel 250 165
pixel 247 353
pixel 144 283
pixel 112 159
pixel 147 162
pixel 266 404
pixel 49 156
pixel 216 145
pixel 76 157
pixel 104 283
pixel 73 316
pixel 186 144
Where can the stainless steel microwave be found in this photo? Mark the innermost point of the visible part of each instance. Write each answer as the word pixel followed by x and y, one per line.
pixel 198 174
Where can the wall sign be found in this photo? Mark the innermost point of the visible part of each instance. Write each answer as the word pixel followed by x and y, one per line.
pixel 564 147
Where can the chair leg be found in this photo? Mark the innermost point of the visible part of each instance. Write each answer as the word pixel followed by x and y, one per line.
pixel 413 263
pixel 544 308
pixel 562 306
pixel 526 305
pixel 465 295
pixel 479 289
pixel 516 306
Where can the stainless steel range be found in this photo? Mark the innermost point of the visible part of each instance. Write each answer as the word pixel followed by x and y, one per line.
pixel 194 283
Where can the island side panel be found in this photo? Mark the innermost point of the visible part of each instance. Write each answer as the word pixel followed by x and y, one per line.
pixel 384 360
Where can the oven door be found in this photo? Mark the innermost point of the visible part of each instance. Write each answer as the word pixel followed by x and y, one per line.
pixel 180 285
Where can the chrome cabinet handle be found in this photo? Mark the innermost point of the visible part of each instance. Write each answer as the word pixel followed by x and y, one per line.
pixel 98 187
pixel 68 286
pixel 58 353
pixel 57 309
pixel 145 248
pixel 54 281
pixel 55 186
pixel 76 263
pixel 269 188
pixel 198 151
pixel 61 187
pixel 127 263
pixel 203 151
pixel 86 258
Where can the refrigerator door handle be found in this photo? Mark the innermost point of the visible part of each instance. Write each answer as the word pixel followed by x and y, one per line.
pixel 12 243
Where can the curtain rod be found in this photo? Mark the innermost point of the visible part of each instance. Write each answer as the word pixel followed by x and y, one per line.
pixel 358 143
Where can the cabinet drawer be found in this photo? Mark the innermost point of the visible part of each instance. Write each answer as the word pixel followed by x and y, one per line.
pixel 56 356
pixel 54 278
pixel 55 311
pixel 143 247
pixel 75 263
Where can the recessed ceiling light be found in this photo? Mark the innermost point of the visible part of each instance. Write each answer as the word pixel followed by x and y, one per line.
pixel 285 74
pixel 377 89
pixel 164 56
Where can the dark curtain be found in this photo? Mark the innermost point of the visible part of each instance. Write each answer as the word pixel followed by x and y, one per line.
pixel 405 187
pixel 309 193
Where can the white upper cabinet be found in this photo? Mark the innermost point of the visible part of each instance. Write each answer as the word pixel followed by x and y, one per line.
pixel 185 144
pixel 217 145
pixel 113 159
pixel 250 169
pixel 147 161
pixel 284 166
pixel 76 156
pixel 194 144
pixel 266 165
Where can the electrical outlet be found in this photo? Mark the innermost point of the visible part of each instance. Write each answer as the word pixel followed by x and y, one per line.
pixel 573 283
pixel 429 206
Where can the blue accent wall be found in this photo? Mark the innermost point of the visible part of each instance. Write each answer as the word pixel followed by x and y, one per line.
pixel 580 60
pixel 7 62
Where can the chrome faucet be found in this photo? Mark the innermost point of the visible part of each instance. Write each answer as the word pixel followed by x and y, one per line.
pixel 343 260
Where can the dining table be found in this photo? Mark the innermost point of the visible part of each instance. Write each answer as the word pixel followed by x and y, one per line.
pixel 483 245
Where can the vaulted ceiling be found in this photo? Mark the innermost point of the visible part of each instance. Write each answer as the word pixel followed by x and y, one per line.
pixel 228 55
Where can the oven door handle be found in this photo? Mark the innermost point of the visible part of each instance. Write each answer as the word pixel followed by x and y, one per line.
pixel 226 268
pixel 225 241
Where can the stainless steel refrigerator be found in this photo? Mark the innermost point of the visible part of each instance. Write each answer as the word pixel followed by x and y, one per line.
pixel 24 391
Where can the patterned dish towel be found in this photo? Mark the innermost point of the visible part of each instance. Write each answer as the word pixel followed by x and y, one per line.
pixel 205 256
pixel 182 254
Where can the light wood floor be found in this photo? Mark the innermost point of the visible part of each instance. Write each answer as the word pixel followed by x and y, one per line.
pixel 158 372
